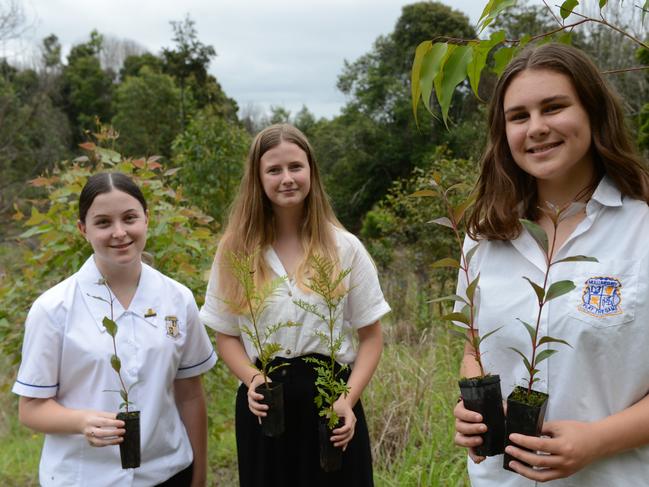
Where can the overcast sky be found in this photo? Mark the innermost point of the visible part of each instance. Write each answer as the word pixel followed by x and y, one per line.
pixel 269 52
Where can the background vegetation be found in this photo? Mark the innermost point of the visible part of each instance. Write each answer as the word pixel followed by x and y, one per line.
pixel 65 118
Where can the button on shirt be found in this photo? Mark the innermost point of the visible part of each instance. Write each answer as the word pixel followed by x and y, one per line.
pixel 66 356
pixel 363 305
pixel 605 320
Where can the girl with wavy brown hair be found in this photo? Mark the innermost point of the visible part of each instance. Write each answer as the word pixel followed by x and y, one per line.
pixel 282 217
pixel 557 135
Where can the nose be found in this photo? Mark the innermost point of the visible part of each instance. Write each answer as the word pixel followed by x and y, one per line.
pixel 538 126
pixel 118 231
pixel 287 177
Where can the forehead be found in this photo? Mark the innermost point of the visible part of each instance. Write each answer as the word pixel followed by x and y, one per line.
pixel 283 152
pixel 114 202
pixel 533 85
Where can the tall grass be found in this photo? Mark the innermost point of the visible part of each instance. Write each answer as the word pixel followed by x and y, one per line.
pixel 408 404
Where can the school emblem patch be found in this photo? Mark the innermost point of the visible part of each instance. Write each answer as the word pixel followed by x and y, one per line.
pixel 171 324
pixel 601 297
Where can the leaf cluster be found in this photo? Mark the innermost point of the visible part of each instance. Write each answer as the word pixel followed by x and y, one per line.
pixel 328 284
pixel 546 291
pixel 257 299
pixel 441 65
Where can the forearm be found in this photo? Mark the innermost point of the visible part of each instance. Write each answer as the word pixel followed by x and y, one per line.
pixel 48 416
pixel 192 408
pixel 231 351
pixel 623 431
pixel 369 352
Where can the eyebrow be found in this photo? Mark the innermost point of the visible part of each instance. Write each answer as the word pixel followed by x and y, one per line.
pixel 544 101
pixel 108 216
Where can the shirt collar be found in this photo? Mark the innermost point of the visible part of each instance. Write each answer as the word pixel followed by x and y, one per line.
pixel 145 303
pixel 272 259
pixel 607 193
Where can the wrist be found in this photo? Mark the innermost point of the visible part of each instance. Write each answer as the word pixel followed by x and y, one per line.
pixel 253 377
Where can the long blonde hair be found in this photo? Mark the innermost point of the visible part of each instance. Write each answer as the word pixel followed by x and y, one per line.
pixel 251 222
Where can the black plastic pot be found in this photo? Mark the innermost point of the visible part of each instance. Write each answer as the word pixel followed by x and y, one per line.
pixel 483 395
pixel 331 457
pixel 129 449
pixel 525 415
pixel 273 424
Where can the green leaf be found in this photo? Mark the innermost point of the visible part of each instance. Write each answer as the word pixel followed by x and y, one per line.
pixel 559 289
pixel 481 51
pixel 415 75
pixel 450 297
pixel 645 9
pixel 485 336
pixel 443 221
pixel 543 355
pixel 576 258
pixel 460 209
pixel 540 292
pixel 116 363
pixel 446 262
pixel 530 329
pixel 469 255
pixel 461 317
pixel 548 339
pixel 528 367
pixel 452 72
pixel 470 289
pixel 567 7
pixel 537 233
pixel 110 325
pixel 430 69
pixel 124 396
pixel 501 59
pixel 491 11
pixel 602 3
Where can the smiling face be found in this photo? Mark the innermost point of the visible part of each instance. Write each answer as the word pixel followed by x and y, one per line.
pixel 285 176
pixel 115 226
pixel 548 129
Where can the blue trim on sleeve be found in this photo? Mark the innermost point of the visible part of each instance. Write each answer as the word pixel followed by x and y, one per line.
pixel 200 363
pixel 33 385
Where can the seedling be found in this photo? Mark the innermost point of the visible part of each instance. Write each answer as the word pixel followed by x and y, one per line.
pixel 329 382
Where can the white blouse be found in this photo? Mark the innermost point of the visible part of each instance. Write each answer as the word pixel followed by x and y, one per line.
pixel 363 305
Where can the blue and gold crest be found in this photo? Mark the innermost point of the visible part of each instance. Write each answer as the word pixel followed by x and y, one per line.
pixel 171 324
pixel 601 297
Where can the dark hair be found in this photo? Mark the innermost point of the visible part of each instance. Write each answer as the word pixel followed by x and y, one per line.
pixel 105 182
pixel 502 185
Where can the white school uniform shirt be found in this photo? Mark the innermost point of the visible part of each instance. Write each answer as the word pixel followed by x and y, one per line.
pixel 605 319
pixel 363 305
pixel 66 356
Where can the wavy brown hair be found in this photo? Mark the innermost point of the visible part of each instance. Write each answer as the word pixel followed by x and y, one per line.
pixel 251 223
pixel 503 187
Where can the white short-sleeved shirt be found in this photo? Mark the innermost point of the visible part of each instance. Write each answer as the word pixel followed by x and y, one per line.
pixel 363 305
pixel 66 356
pixel 605 319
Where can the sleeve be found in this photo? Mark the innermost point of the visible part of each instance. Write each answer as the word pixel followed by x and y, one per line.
pixel 198 353
pixel 38 375
pixel 214 313
pixel 365 302
pixel 469 249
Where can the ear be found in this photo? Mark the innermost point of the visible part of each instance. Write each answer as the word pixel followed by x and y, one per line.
pixel 146 217
pixel 82 228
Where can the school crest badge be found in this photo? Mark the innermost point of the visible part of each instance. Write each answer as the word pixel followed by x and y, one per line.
pixel 171 324
pixel 601 297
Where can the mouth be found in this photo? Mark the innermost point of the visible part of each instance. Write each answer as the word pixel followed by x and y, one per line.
pixel 543 147
pixel 121 246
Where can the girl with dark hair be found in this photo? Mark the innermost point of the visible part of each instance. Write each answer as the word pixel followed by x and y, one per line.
pixel 557 135
pixel 283 217
pixel 66 367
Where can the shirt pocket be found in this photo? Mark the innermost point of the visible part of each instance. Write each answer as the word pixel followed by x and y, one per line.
pixel 606 293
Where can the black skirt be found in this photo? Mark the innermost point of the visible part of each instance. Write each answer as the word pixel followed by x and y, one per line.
pixel 292 460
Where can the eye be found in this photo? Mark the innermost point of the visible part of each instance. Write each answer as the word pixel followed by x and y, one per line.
pixel 102 223
pixel 130 218
pixel 296 167
pixel 517 117
pixel 555 107
pixel 273 170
